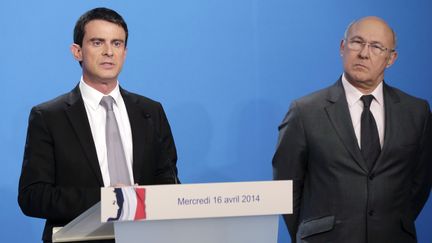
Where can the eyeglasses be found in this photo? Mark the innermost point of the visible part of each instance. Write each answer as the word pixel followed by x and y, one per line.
pixel 375 48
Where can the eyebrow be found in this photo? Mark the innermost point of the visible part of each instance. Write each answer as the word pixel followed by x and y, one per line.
pixel 103 40
pixel 97 39
pixel 119 40
pixel 371 42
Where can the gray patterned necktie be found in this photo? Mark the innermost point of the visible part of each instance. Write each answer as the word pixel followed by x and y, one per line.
pixel 117 165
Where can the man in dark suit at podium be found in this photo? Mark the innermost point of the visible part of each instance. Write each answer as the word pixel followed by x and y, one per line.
pixel 359 152
pixel 95 136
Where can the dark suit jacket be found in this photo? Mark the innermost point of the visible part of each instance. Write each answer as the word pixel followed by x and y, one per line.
pixel 60 175
pixel 336 198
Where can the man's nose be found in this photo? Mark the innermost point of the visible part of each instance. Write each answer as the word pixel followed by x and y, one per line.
pixel 108 50
pixel 365 51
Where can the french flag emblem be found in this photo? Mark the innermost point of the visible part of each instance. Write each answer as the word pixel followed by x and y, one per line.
pixel 140 212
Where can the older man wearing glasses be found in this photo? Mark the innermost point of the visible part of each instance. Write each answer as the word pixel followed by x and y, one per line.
pixel 359 152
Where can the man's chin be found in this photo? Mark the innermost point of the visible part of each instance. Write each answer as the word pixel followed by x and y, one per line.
pixel 359 80
pixel 109 77
pixel 357 76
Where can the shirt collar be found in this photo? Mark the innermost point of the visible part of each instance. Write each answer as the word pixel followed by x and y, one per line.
pixel 93 97
pixel 353 95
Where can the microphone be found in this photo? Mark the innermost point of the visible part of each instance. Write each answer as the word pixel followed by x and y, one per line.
pixel 173 174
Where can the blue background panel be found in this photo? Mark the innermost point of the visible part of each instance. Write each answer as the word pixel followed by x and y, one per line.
pixel 225 71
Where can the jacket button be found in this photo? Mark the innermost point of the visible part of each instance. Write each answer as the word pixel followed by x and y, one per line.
pixel 371 177
pixel 371 212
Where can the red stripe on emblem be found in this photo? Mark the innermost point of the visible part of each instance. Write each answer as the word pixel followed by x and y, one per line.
pixel 140 212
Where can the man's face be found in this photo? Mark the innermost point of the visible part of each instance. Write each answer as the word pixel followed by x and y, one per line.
pixel 102 53
pixel 364 68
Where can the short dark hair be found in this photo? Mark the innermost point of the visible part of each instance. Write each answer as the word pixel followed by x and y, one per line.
pixel 97 14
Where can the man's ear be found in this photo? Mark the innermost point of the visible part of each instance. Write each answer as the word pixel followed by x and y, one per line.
pixel 76 52
pixel 342 47
pixel 392 59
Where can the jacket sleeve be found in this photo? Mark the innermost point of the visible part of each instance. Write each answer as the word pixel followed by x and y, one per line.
pixel 422 180
pixel 166 172
pixel 290 162
pixel 38 194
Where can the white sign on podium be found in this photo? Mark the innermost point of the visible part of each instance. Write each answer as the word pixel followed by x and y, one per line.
pixel 233 212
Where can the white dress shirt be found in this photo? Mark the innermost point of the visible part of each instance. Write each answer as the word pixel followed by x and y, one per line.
pixel 97 118
pixel 355 106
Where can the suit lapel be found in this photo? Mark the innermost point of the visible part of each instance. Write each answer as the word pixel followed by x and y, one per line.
pixel 391 100
pixel 339 116
pixel 78 117
pixel 138 120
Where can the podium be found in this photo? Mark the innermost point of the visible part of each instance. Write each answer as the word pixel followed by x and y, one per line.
pixel 236 212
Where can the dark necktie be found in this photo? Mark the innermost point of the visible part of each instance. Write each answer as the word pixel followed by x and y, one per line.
pixel 370 143
pixel 117 166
